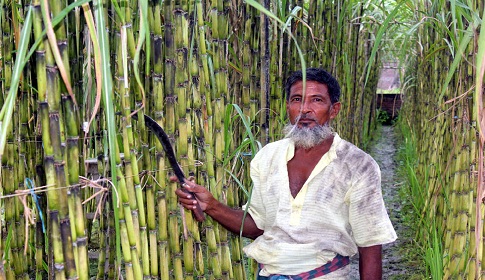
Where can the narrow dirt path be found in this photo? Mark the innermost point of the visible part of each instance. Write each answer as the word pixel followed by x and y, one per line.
pixel 384 152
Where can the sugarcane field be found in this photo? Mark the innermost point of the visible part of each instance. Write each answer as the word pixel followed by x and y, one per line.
pixel 115 113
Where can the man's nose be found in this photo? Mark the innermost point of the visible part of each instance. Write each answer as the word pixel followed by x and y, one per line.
pixel 305 105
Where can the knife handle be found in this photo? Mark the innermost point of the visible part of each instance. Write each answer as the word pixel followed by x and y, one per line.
pixel 197 212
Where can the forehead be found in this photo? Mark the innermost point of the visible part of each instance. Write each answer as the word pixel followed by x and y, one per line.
pixel 312 88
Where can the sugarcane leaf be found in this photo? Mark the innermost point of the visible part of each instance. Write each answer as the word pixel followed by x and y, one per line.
pixel 88 16
pixel 55 21
pixel 293 14
pixel 118 11
pixel 247 127
pixel 238 182
pixel 8 244
pixel 51 36
pixel 433 51
pixel 107 88
pixel 457 59
pixel 480 66
pixel 263 10
pixel 380 34
pixel 227 134
pixel 282 8
pixel 141 41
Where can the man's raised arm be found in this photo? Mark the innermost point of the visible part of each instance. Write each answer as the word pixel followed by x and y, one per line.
pixel 226 216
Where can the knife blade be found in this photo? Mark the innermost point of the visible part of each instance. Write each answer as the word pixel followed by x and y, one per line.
pixel 170 155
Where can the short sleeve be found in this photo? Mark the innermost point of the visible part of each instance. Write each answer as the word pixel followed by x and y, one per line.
pixel 256 206
pixel 368 217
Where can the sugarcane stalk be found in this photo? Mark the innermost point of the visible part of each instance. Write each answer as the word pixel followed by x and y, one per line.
pixel 182 82
pixel 158 104
pixel 277 95
pixel 40 272
pixel 56 135
pixel 128 231
pixel 211 228
pixel 7 170
pixel 128 197
pixel 128 258
pixel 170 127
pixel 112 264
pixel 193 141
pixel 246 64
pixel 152 185
pixel 53 167
pixel 12 247
pixel 163 248
pixel 255 55
pixel 75 203
pixel 103 244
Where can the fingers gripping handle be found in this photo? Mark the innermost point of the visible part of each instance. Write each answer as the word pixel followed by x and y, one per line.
pixel 197 211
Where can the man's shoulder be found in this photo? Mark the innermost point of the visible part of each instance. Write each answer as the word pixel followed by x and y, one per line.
pixel 349 146
pixel 272 148
pixel 276 145
pixel 348 151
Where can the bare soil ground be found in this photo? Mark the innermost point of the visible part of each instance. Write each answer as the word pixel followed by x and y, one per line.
pixel 394 261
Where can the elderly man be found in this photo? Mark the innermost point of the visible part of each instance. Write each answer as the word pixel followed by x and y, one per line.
pixel 317 198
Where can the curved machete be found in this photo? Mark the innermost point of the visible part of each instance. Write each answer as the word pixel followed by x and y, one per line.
pixel 169 153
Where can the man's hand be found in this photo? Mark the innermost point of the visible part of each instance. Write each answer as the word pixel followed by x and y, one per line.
pixel 229 218
pixel 190 189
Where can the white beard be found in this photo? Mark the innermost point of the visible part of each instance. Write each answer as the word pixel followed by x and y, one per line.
pixel 306 137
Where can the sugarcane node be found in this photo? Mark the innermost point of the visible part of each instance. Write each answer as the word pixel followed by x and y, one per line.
pixel 54 115
pixel 65 221
pixel 82 241
pixel 170 155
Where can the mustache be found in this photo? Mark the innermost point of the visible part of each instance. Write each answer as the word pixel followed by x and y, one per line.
pixel 304 116
pixel 297 119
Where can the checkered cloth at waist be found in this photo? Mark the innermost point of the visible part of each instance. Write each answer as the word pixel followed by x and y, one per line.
pixel 331 266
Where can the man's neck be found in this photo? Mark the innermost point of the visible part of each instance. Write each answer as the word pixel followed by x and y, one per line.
pixel 303 162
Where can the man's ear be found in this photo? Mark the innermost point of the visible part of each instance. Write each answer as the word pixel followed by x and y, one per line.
pixel 334 109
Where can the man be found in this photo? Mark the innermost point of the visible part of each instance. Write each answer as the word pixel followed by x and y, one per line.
pixel 317 198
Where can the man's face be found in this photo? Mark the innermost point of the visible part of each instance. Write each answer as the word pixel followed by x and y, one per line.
pixel 315 109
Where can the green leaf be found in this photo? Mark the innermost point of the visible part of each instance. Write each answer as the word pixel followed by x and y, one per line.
pixel 380 34
pixel 456 61
pixel 107 88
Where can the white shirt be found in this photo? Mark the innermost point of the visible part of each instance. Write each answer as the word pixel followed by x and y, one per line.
pixel 338 209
